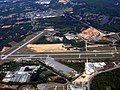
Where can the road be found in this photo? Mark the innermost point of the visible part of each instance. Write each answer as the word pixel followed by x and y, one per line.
pixel 81 21
pixel 19 47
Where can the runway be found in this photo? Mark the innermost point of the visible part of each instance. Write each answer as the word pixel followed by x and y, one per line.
pixel 63 56
pixel 15 49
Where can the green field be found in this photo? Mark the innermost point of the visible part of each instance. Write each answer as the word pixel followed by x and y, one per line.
pixel 78 66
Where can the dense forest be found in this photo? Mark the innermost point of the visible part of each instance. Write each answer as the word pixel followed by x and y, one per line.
pixel 107 80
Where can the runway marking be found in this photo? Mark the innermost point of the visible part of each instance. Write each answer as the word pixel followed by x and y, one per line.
pixel 61 54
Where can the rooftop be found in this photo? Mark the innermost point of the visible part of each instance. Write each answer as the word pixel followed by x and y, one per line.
pixel 59 67
pixel 21 75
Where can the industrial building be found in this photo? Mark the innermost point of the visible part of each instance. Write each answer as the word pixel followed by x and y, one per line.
pixel 60 67
pixel 22 75
pixel 93 67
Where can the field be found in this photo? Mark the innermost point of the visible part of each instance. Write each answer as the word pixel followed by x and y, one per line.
pixel 79 67
pixel 46 47
pixel 100 48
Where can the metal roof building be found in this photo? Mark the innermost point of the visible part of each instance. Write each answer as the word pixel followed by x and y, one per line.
pixel 21 75
pixel 60 67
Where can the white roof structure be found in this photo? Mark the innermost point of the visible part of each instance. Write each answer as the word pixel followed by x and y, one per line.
pixel 89 69
pixel 97 65
pixel 58 66
pixel 92 67
pixel 103 64
pixel 42 2
pixel 20 76
pixel 72 87
pixel 70 36
pixel 17 77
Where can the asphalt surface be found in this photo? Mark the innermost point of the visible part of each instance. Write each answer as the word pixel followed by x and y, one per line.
pixel 12 55
pixel 25 42
pixel 63 56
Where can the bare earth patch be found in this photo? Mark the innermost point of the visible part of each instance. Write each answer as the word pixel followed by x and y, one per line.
pixel 46 47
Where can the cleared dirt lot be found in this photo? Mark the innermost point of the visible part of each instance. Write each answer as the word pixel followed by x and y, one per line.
pixel 46 47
